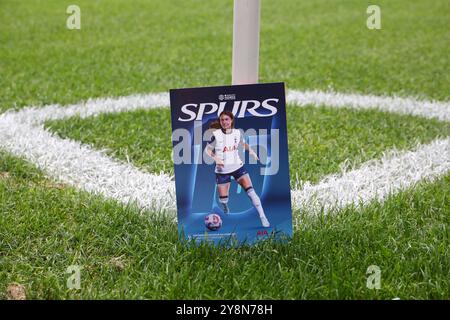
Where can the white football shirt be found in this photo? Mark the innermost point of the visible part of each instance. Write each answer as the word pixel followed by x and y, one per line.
pixel 226 148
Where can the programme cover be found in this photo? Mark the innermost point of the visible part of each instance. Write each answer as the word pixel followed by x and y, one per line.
pixel 231 163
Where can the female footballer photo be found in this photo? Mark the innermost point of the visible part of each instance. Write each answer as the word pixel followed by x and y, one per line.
pixel 223 149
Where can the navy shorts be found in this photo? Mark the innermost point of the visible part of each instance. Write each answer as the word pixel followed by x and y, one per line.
pixel 226 177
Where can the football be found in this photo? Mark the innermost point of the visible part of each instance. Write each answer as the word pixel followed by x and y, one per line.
pixel 213 221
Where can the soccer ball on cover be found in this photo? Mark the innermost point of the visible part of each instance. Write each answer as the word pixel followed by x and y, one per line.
pixel 213 221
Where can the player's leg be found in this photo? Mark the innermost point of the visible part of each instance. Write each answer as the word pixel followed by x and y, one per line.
pixel 223 188
pixel 246 184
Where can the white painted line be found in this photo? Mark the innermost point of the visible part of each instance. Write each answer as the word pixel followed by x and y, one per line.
pixel 22 134
pixel 92 107
pixel 411 106
pixel 376 179
pixel 426 109
pixel 78 165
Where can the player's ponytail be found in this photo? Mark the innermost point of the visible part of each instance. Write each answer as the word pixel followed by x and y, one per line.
pixel 215 125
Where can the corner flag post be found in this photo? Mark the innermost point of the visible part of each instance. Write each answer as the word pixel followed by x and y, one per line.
pixel 246 42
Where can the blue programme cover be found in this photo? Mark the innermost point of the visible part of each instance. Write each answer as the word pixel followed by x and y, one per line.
pixel 231 163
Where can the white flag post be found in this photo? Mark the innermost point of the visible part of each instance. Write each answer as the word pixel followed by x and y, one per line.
pixel 246 42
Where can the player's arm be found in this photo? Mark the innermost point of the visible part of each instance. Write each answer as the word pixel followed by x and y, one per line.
pixel 209 151
pixel 250 150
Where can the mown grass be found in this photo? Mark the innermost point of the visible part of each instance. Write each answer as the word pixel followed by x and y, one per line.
pixel 127 253
pixel 125 47
pixel 150 46
pixel 321 140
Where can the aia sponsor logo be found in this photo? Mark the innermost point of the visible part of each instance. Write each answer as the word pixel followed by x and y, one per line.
pixel 262 233
pixel 229 148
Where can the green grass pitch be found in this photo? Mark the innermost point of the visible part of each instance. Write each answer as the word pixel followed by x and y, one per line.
pixel 127 47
